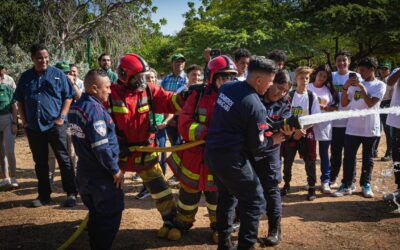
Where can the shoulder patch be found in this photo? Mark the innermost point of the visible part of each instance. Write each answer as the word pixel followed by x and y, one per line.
pixel 100 127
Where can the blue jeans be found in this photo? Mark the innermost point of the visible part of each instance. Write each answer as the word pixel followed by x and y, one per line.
pixel 325 163
pixel 351 145
pixel 236 181
pixel 162 139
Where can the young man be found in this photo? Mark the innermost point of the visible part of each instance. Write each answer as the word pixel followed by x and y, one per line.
pixel 236 132
pixel 303 102
pixel 394 122
pixel 104 61
pixel 279 57
pixel 339 78
pixel 358 95
pixel 194 73
pixel 44 96
pixel 242 60
pixel 98 177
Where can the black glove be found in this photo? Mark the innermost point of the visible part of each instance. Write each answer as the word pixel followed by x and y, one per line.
pixel 123 150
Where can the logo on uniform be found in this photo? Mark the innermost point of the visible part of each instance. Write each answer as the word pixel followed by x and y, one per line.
pixel 100 127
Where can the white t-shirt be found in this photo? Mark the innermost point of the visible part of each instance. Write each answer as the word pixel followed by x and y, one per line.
pixel 367 126
pixel 300 104
pixel 322 131
pixel 392 119
pixel 338 82
pixel 80 84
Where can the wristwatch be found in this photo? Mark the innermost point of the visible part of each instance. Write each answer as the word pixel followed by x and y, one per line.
pixel 62 116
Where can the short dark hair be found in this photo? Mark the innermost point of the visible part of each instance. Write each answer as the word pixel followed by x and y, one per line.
pixel 37 47
pixel 342 53
pixel 90 77
pixel 194 67
pixel 239 53
pixel 278 56
pixel 282 77
pixel 101 56
pixel 368 62
pixel 72 65
pixel 262 64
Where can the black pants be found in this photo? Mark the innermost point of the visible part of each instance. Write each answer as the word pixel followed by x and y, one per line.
pixel 351 145
pixel 268 170
pixel 236 181
pixel 105 203
pixel 38 143
pixel 289 155
pixel 337 146
pixel 396 153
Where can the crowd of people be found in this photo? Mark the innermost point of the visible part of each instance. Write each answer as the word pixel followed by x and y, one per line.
pixel 245 107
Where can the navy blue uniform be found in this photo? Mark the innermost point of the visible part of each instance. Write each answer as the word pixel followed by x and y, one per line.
pixel 95 142
pixel 267 164
pixel 237 132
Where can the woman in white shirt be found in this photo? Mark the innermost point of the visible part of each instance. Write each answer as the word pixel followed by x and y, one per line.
pixel 322 86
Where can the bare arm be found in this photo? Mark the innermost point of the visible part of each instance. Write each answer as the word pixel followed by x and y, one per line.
pixel 393 79
pixel 22 113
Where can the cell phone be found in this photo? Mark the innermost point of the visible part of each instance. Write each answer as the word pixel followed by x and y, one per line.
pixel 215 53
pixel 352 74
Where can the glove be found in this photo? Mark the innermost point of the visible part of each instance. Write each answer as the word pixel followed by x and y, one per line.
pixel 123 150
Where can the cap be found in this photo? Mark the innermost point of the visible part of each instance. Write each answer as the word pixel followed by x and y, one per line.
pixel 177 57
pixel 2 66
pixel 386 64
pixel 64 66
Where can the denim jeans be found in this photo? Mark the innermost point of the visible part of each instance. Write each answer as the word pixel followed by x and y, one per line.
pixel 351 145
pixel 161 140
pixel 325 163
pixel 38 143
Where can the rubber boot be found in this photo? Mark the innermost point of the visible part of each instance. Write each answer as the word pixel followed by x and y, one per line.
pixel 164 230
pixel 274 233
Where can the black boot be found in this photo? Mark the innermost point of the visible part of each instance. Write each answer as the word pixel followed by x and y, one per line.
pixel 311 194
pixel 274 234
pixel 286 188
pixel 225 242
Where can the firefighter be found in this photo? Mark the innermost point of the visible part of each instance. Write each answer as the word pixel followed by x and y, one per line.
pixel 132 104
pixel 188 165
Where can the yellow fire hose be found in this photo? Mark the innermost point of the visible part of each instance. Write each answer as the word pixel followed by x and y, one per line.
pixel 180 147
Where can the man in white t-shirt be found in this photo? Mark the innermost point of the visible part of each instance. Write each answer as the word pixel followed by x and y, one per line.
pixel 339 78
pixel 363 95
pixel 394 121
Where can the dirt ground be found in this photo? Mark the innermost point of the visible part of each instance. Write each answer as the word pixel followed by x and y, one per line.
pixel 350 222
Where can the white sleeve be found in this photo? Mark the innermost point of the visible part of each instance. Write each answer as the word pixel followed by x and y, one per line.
pixel 315 109
pixel 379 91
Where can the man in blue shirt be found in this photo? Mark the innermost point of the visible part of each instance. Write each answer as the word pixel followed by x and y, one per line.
pixel 98 177
pixel 44 97
pixel 236 133
pixel 173 82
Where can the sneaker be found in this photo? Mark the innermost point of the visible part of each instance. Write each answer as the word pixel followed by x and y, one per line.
pixel 342 191
pixel 173 181
pixel 311 194
pixel 367 191
pixel 143 194
pixel 14 183
pixel 392 196
pixel 136 177
pixel 5 182
pixel 70 201
pixel 334 185
pixel 386 158
pixel 285 190
pixel 235 227
pixel 40 202
pixel 353 187
pixel 51 178
pixel 325 188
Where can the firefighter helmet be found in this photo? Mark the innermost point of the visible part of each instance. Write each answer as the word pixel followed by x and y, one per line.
pixel 131 65
pixel 220 65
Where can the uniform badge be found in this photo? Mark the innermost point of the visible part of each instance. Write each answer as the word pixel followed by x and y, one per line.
pixel 100 127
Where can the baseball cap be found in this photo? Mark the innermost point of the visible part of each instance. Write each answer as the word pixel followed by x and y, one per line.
pixel 64 66
pixel 177 57
pixel 385 64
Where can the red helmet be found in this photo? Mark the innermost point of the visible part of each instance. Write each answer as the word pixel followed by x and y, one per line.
pixel 131 65
pixel 220 64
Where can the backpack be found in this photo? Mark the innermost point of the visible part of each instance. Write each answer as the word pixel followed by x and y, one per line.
pixel 310 99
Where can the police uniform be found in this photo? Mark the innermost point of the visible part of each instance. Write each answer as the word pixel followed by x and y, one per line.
pixel 95 142
pixel 267 164
pixel 237 132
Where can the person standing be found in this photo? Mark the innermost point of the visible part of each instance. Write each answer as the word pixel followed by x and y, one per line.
pixel 237 131
pixel 242 60
pixel 8 130
pixel 98 177
pixel 104 61
pixel 44 97
pixel 6 79
pixel 363 95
